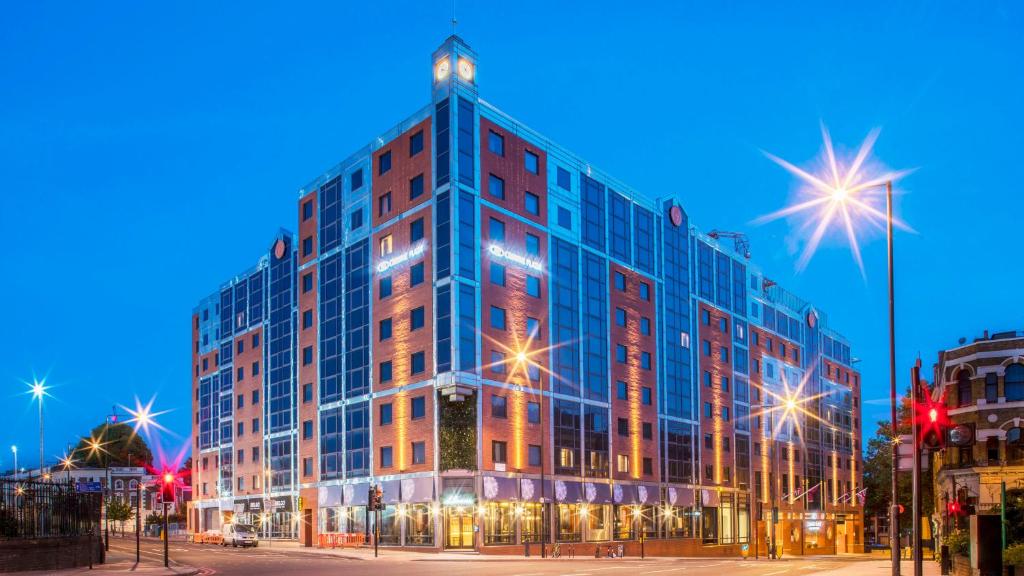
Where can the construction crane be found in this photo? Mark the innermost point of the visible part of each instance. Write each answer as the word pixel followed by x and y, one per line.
pixel 740 241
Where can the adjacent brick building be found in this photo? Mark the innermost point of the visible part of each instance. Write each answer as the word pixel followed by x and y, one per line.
pixel 516 346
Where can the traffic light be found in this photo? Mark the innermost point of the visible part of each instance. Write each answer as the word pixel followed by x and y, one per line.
pixel 376 499
pixel 933 420
pixel 167 488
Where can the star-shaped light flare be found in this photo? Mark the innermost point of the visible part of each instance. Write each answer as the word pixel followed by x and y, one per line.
pixel 845 192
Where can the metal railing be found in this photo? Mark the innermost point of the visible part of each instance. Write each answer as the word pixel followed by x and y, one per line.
pixel 33 509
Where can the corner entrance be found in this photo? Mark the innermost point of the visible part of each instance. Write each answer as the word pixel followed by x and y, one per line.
pixel 458 528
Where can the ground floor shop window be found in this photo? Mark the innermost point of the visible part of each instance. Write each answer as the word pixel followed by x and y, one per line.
pixel 531 522
pixel 680 522
pixel 569 525
pixel 627 522
pixel 709 525
pixel 419 525
pixel 743 522
pixel 389 527
pixel 598 522
pixel 726 522
pixel 499 523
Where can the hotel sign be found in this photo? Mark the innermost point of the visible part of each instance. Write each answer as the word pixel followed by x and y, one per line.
pixel 501 253
pixel 399 259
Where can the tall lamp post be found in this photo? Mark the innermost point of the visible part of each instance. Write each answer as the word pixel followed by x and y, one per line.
pixel 38 391
pixel 14 449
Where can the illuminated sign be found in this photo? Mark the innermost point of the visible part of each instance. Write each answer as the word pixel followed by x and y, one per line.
pixel 501 253
pixel 389 263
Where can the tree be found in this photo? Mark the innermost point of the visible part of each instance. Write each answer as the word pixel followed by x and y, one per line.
pixel 120 511
pixel 118 441
pixel 878 473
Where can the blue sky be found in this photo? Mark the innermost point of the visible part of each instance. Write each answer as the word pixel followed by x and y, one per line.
pixel 147 153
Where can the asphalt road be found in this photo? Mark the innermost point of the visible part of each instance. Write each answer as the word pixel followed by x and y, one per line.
pixel 266 561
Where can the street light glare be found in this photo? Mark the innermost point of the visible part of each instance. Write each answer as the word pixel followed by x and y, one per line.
pixel 842 194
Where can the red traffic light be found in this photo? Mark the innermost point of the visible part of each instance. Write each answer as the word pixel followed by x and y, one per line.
pixel 168 478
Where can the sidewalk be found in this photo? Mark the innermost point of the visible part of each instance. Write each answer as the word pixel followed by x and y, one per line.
pixel 119 564
pixel 880 568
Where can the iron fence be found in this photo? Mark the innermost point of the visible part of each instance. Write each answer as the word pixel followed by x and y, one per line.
pixel 35 509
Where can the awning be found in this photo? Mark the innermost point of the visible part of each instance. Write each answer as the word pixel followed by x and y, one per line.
pixel 499 488
pixel 597 493
pixel 415 490
pixel 567 491
pixel 328 496
pixel 457 492
pixel 709 498
pixel 355 494
pixel 392 491
pixel 648 494
pixel 679 496
pixel 625 494
pixel 530 490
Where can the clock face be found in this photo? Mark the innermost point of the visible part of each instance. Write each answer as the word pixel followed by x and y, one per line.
pixel 442 69
pixel 465 69
pixel 812 318
pixel 279 249
pixel 676 215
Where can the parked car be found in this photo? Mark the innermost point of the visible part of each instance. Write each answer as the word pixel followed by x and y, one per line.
pixel 240 535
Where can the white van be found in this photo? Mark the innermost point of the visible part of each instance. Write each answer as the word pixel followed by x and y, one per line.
pixel 240 535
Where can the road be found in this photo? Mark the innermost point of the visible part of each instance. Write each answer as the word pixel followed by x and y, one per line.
pixel 267 561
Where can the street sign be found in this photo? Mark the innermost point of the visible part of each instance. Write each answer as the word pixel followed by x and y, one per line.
pixel 88 487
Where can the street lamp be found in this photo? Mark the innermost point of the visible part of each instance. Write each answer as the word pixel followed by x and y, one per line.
pixel 38 391
pixel 14 449
pixel 842 192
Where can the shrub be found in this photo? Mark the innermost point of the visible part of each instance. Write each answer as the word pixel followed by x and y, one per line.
pixel 959 543
pixel 1014 555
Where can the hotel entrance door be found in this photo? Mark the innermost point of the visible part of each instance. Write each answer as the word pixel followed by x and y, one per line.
pixel 458 526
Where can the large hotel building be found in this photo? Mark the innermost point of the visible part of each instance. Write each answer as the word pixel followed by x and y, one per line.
pixel 516 347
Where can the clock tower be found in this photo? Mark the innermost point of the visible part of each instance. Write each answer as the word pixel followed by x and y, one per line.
pixel 454 69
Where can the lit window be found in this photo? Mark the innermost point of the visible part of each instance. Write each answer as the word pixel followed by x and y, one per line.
pixel 622 463
pixel 386 245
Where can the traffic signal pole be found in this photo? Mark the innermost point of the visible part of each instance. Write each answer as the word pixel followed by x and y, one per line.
pixel 915 382
pixel 166 537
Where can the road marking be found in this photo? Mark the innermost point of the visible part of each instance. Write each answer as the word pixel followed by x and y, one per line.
pixel 665 570
pixel 772 573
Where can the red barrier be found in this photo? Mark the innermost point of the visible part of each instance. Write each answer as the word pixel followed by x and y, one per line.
pixel 340 539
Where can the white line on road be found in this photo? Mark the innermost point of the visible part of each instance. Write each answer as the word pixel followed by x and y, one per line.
pixel 665 570
pixel 773 573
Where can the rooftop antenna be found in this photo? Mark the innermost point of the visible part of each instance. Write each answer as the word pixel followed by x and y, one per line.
pixel 454 21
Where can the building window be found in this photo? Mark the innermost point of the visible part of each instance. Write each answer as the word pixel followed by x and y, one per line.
pixel 963 388
pixel 620 281
pixel 622 463
pixel 385 414
pixel 621 390
pixel 307 245
pixel 723 324
pixel 531 202
pixel 648 466
pixel 384 329
pixel 707 379
pixel 416 230
pixel 705 317
pixel 496 187
pixel 534 455
pixel 496 229
pixel 499 451
pixel 533 412
pixel 307 429
pixel 725 413
pixel 499 407
pixel 563 179
pixel 648 431
pixel 645 326
pixel 355 220
pixel 620 353
pixel 307 355
pixel 385 286
pixel 706 346
pixel 623 427
pixel 564 218
pixel 531 162
pixel 991 388
pixel 419 453
pixel 532 328
pixel 384 163
pixel 533 286
pixel 707 410
pixel 307 210
pixel 307 285
pixel 386 457
pixel 416 318
pixel 418 363
pixel 255 340
pixel 497 274
pixel 725 383
pixel 532 245
pixel 416 274
pixel 419 407
pixel 645 360
pixel 386 245
pixel 645 395
pixel 416 187
pixel 1013 382
pixel 255 397
pixel 384 204
pixel 620 317
pixel 356 180
pixel 307 392
pixel 723 354
pixel 385 371
pixel 495 143
pixel 416 143
pixel 307 319
pixel 497 362
pixel 709 442
pixel 645 291
pixel 497 318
